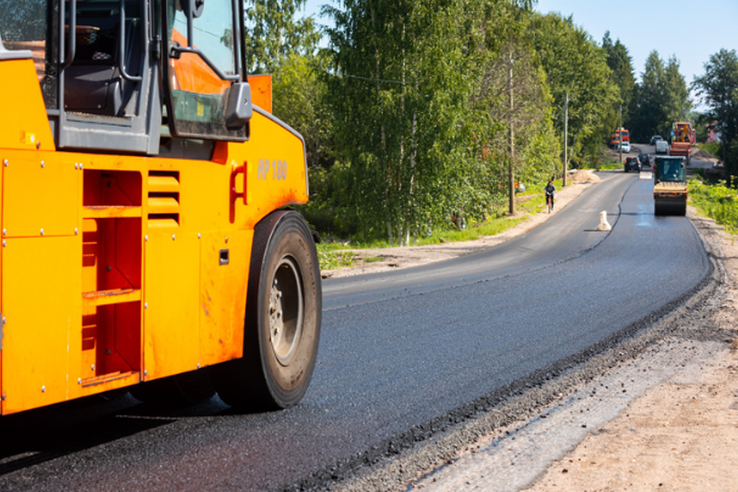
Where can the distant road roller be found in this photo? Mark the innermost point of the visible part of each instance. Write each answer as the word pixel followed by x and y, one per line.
pixel 670 186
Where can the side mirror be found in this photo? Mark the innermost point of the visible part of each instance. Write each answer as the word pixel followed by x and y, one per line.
pixel 192 8
pixel 238 108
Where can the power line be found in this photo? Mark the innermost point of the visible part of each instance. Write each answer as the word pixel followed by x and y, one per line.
pixel 371 79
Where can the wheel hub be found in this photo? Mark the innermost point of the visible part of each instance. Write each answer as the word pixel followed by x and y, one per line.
pixel 285 311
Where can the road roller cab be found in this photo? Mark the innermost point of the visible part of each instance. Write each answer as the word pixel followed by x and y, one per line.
pixel 670 187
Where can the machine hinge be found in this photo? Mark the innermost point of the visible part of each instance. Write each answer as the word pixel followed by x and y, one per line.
pixel 156 48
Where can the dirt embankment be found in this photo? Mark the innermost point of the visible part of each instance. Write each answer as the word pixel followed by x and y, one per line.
pixel 704 156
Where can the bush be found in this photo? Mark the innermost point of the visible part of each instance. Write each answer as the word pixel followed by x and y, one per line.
pixel 335 221
pixel 712 148
pixel 716 201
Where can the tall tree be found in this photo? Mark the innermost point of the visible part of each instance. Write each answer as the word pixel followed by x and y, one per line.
pixel 300 98
pixel 274 32
pixel 621 65
pixel 404 75
pixel 718 87
pixel 576 68
pixel 513 94
pixel 282 43
pixel 648 112
pixel 677 104
pixel 662 98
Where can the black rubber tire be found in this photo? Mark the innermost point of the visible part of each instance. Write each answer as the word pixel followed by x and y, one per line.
pixel 283 316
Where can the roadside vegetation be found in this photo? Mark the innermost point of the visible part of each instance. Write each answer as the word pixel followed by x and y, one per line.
pixel 718 87
pixel 330 259
pixel 334 253
pixel 610 166
pixel 712 148
pixel 717 201
pixel 414 111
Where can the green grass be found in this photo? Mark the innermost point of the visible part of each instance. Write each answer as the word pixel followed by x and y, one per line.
pixel 716 201
pixel 330 260
pixel 333 254
pixel 609 166
pixel 491 227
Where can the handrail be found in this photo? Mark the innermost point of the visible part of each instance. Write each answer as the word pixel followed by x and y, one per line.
pixel 236 29
pixel 72 46
pixel 122 43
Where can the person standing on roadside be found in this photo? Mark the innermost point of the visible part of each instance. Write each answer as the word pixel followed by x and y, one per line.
pixel 550 190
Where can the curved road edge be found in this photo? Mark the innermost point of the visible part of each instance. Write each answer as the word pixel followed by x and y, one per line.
pixel 435 456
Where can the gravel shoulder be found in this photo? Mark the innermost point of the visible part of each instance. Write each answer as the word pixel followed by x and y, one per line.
pixel 658 412
pixel 681 434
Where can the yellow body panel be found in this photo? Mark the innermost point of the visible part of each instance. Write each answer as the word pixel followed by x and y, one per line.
pixel 126 282
pixel 171 296
pixel 40 198
pixel 221 315
pixel 2 319
pixel 24 124
pixel 42 305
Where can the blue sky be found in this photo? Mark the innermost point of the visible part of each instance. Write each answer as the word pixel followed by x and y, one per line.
pixel 690 30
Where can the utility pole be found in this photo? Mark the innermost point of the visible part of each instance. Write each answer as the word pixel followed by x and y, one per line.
pixel 620 130
pixel 510 168
pixel 566 137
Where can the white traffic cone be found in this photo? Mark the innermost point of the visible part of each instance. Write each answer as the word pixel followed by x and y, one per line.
pixel 604 224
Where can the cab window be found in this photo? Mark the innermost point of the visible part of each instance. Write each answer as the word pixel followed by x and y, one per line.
pixel 202 67
pixel 25 25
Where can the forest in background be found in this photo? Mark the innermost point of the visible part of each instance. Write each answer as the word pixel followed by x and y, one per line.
pixel 417 110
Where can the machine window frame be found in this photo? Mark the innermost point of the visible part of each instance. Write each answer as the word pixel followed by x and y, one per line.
pixel 200 115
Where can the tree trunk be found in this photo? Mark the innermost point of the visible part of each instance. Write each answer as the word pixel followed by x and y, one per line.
pixel 413 154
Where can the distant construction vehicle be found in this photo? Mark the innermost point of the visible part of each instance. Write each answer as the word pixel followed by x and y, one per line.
pixel 670 187
pixel 682 139
pixel 619 136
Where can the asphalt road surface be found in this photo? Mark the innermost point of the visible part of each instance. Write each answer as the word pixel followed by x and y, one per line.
pixel 402 355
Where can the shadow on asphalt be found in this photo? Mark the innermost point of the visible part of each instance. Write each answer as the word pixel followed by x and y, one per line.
pixel 37 436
